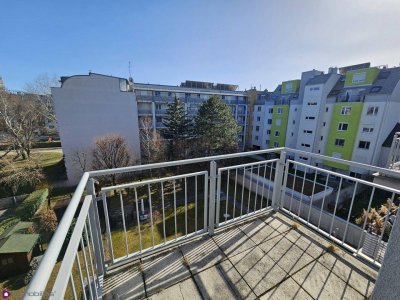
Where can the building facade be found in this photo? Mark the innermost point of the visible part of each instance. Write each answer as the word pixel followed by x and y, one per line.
pixel 153 100
pixel 91 106
pixel 346 113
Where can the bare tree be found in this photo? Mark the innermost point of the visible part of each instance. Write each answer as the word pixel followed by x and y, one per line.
pixel 151 144
pixel 111 151
pixel 80 159
pixel 41 88
pixel 16 176
pixel 20 119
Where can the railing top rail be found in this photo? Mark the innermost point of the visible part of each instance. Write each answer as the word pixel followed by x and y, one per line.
pixel 389 189
pixel 241 154
pixel 150 181
pixel 61 283
pixel 181 162
pixel 48 261
pixel 248 165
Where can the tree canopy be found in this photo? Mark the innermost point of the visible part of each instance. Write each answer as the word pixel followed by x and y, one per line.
pixel 216 128
pixel 178 128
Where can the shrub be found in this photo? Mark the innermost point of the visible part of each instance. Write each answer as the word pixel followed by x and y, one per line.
pixel 31 204
pixel 33 267
pixel 8 223
pixel 47 221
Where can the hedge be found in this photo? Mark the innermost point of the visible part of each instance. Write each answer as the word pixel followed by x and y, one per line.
pixel 27 209
pixel 55 144
pixel 11 221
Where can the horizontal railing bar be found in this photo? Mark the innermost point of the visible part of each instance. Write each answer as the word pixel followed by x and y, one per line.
pixel 181 162
pixel 66 266
pixel 151 181
pixel 48 261
pixel 248 164
pixel 247 216
pixel 389 189
pixel 346 162
pixel 146 252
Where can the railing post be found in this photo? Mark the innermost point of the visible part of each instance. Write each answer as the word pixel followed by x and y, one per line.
pixel 277 190
pixel 211 210
pixel 95 229
pixel 387 285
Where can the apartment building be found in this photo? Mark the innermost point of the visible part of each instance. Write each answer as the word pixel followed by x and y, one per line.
pixel 153 100
pixel 346 113
pixel 91 106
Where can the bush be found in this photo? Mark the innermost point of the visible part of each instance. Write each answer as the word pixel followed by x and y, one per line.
pixel 27 209
pixel 47 221
pixel 8 223
pixel 33 267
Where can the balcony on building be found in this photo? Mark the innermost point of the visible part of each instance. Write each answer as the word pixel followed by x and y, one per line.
pixel 250 225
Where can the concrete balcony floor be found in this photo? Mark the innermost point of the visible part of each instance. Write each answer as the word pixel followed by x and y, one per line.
pixel 260 259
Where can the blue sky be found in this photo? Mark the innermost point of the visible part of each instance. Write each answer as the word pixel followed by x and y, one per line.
pixel 239 42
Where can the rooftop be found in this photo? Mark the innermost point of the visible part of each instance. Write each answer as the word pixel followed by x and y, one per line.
pixel 18 243
pixel 263 258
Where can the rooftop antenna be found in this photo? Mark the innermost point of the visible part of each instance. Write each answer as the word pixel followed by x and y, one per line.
pixel 129 68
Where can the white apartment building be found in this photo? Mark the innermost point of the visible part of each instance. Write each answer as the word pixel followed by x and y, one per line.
pixel 347 114
pixel 91 106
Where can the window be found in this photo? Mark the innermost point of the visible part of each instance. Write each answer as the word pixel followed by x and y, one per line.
pixel 312 103
pixel 375 89
pixel 303 158
pixel 267 142
pixel 292 133
pixel 158 106
pixel 271 110
pixel 372 110
pixel 310 118
pixel 256 137
pixel 280 110
pixel 268 131
pixel 324 124
pixel 277 133
pixel 158 119
pixel 170 94
pixel 269 121
pixel 314 89
pixel 223 97
pixel 257 128
pixel 258 119
pixel 295 109
pixel 10 260
pixel 307 131
pixel 276 144
pixel 343 126
pixel 156 93
pixel 294 122
pixel 258 108
pixel 326 109
pixel 187 95
pixel 306 145
pixel 346 110
pixel 278 122
pixel 322 137
pixel 364 145
pixel 339 142
pixel 367 129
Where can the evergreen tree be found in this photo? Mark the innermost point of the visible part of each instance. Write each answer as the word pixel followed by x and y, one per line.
pixel 179 128
pixel 216 128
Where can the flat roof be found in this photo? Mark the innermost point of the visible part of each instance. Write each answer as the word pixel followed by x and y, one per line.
pixel 18 243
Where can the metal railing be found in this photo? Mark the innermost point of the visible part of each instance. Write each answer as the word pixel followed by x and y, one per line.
pixel 114 226
pixel 394 156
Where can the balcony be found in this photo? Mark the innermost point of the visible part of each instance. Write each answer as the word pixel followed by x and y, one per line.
pixel 221 227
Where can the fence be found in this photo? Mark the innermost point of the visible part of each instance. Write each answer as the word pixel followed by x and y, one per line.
pixel 178 207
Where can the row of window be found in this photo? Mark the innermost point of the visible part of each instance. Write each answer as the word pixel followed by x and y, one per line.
pixel 371 110
pixel 362 144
